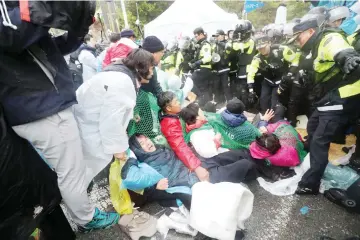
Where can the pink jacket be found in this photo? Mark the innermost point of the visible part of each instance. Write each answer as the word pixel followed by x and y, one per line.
pixel 286 156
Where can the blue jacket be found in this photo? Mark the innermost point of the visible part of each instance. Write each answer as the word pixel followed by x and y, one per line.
pixel 35 81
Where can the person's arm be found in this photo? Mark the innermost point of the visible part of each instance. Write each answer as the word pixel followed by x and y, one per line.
pixel 115 115
pixel 251 70
pixel 25 35
pixel 174 136
pixel 205 52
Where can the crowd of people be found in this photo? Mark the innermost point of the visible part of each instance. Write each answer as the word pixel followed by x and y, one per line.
pixel 71 120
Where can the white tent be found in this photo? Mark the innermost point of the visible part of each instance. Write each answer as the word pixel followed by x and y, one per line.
pixel 183 16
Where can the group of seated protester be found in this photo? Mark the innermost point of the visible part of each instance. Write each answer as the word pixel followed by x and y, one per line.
pixel 214 147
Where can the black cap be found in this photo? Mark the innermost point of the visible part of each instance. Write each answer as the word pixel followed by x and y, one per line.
pixel 302 27
pixel 199 30
pixel 235 106
pixel 127 33
pixel 219 33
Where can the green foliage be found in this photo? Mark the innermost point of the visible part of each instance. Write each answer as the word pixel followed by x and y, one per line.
pixel 148 11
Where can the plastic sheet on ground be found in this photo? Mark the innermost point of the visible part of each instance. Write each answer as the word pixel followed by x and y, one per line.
pixel 286 186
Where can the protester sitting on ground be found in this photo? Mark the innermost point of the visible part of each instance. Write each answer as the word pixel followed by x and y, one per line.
pixel 236 132
pixel 280 143
pixel 232 166
pixel 105 107
pixel 173 132
pixel 121 48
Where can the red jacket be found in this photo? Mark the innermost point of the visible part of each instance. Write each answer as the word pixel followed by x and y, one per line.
pixel 172 130
pixel 120 50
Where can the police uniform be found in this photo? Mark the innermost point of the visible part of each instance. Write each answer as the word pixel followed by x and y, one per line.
pixel 169 62
pixel 240 55
pixel 221 81
pixel 202 76
pixel 334 95
pixel 272 68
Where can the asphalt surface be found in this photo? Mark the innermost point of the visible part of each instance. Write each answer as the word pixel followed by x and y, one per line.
pixel 273 218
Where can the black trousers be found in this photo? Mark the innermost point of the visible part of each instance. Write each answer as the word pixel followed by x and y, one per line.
pixel 297 104
pixel 240 90
pixel 221 87
pixel 203 80
pixel 322 128
pixel 233 166
pixel 269 96
pixel 55 226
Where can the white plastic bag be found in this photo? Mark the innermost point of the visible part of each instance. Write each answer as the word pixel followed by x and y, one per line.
pixel 286 186
pixel 219 210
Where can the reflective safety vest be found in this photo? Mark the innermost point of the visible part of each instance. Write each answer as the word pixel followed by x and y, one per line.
pixel 240 55
pixel 354 40
pixel 274 66
pixel 328 79
pixel 203 53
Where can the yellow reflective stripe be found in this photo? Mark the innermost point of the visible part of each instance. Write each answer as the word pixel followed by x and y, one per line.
pixel 350 90
pixel 251 46
pixel 288 54
pixel 252 69
pixel 205 55
pixel 179 60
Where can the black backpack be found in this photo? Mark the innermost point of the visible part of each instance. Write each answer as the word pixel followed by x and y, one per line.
pixel 76 69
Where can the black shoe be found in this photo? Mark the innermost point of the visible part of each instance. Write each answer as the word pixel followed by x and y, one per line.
pixel 306 191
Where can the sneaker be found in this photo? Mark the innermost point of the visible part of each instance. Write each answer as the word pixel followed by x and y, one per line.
pixel 306 191
pixel 138 224
pixel 101 220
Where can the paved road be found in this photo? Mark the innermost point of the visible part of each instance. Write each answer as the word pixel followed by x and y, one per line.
pixel 273 218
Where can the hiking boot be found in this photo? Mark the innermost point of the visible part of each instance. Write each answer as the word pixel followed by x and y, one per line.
pixel 101 220
pixel 301 190
pixel 138 224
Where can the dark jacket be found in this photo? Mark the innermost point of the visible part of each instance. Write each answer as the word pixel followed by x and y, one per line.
pixel 29 92
pixel 164 161
pixel 153 86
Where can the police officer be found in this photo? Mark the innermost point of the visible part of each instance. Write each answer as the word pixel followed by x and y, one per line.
pixel 240 52
pixel 221 68
pixel 293 89
pixel 185 56
pixel 337 15
pixel 201 64
pixel 335 93
pixel 272 61
pixel 168 64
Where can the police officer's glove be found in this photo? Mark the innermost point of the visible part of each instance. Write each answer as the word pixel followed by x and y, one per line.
pixel 195 65
pixel 252 97
pixel 285 83
pixel 351 64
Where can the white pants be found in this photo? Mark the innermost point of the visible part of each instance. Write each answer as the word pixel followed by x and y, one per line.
pixel 57 137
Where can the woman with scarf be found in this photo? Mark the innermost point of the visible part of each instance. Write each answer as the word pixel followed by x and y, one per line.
pixel 280 143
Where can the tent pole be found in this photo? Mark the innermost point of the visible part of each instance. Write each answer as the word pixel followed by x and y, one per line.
pixel 124 13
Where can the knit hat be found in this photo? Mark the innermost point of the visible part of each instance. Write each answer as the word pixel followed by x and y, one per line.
pixel 153 44
pixel 235 106
pixel 127 33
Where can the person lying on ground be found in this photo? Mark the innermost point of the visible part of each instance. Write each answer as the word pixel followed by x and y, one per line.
pixel 231 130
pixel 232 166
pixel 280 143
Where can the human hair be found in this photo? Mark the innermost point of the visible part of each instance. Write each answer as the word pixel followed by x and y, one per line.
pixel 87 38
pixel 165 99
pixel 114 37
pixel 190 113
pixel 269 141
pixel 140 62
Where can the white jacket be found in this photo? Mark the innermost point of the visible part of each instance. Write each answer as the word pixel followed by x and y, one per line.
pixel 90 64
pixel 105 107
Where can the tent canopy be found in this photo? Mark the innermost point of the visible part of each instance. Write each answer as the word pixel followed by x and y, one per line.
pixel 183 16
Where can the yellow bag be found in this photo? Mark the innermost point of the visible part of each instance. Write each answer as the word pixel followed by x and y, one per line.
pixel 120 198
